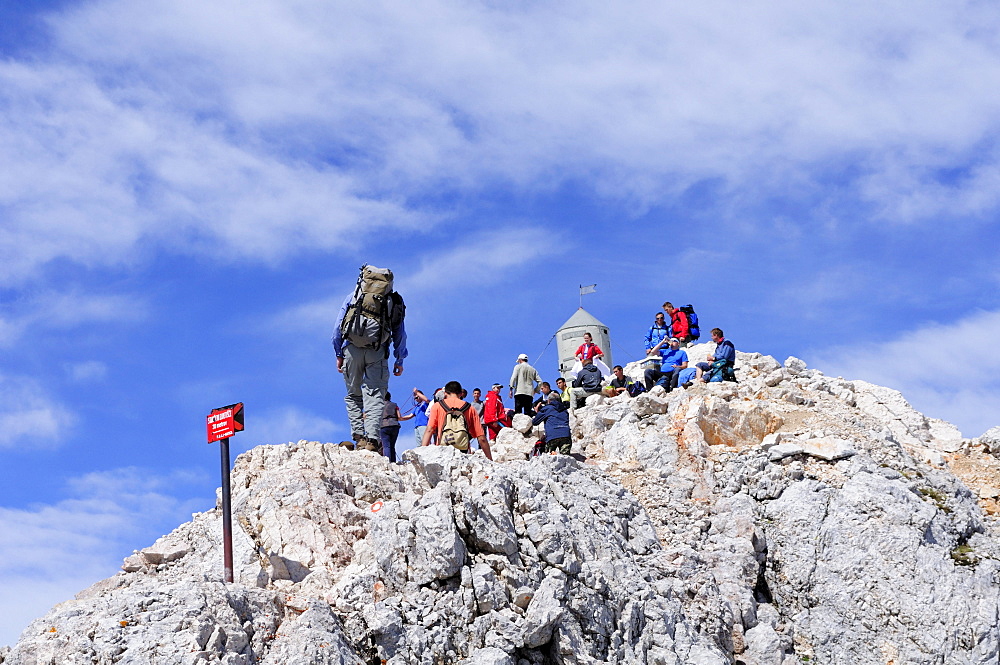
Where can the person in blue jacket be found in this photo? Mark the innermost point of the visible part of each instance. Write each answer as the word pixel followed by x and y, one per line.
pixel 721 364
pixel 657 332
pixel 555 415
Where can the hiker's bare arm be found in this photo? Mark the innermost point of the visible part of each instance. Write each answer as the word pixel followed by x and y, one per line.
pixel 485 447
pixel 340 364
pixel 397 370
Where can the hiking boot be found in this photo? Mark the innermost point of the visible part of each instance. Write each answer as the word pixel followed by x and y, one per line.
pixel 365 443
pixel 347 444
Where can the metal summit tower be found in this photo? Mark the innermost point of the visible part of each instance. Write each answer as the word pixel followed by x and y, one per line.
pixel 570 336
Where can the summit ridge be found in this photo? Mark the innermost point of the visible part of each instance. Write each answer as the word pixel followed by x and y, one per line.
pixel 788 518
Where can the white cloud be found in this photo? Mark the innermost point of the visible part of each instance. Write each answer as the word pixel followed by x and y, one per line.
pixel 257 129
pixel 62 548
pixel 946 371
pixel 69 308
pixel 30 418
pixel 289 423
pixel 87 371
pixel 480 258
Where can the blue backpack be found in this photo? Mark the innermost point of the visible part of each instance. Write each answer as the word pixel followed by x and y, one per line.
pixel 694 332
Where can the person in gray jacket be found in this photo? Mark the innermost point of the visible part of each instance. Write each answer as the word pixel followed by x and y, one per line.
pixel 363 357
pixel 524 382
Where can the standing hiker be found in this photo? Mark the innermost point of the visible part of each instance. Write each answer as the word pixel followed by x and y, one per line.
pixel 389 431
pixel 453 422
pixel 370 318
pixel 494 414
pixel 524 382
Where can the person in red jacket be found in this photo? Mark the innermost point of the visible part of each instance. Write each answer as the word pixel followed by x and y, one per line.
pixel 679 326
pixel 494 413
pixel 588 350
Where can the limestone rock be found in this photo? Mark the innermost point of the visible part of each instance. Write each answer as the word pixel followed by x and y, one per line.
pixel 521 423
pixel 646 404
pixel 787 518
pixel 511 445
pixel 991 439
pixel 829 449
pixel 794 365
pixel 783 450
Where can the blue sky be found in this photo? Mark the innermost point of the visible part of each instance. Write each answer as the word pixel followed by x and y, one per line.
pixel 188 190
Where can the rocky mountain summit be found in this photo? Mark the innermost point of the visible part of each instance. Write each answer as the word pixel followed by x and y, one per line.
pixel 789 518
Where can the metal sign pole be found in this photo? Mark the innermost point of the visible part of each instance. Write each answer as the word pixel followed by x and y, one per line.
pixel 227 515
pixel 220 425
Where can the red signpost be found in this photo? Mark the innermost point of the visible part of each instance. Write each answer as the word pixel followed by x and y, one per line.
pixel 221 424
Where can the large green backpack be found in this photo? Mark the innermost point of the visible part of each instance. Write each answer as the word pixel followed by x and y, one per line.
pixel 454 432
pixel 375 309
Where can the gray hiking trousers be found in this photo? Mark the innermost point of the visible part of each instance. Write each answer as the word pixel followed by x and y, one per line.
pixel 366 373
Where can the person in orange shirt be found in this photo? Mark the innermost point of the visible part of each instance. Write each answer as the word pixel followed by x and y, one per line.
pixel 454 404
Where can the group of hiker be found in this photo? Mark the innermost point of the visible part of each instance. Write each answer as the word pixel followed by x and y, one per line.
pixel 371 319
pixel 667 360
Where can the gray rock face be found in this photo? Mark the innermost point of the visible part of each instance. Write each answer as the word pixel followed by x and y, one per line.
pixel 789 518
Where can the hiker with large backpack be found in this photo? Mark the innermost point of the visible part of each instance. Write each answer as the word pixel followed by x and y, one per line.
pixel 678 321
pixel 370 318
pixel 453 422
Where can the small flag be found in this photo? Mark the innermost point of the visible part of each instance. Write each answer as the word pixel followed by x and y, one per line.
pixel 590 288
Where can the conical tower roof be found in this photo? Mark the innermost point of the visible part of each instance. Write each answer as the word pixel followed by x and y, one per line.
pixel 581 317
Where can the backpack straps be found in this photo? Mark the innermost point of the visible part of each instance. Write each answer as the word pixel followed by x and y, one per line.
pixel 452 411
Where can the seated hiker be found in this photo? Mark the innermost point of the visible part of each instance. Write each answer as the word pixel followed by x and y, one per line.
pixel 587 382
pixel 565 391
pixel 672 360
pixel 588 350
pixel 721 365
pixel 453 422
pixel 624 384
pixel 687 376
pixel 555 414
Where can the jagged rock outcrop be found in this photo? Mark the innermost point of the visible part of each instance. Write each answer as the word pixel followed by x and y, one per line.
pixel 789 518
